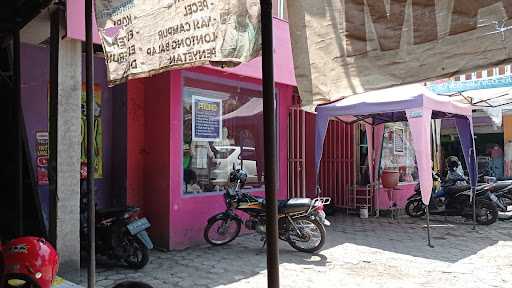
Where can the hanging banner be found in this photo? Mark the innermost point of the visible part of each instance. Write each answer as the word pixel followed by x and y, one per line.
pixel 145 37
pixel 345 47
pixel 206 119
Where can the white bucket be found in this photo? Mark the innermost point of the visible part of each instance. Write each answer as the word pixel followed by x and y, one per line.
pixel 363 212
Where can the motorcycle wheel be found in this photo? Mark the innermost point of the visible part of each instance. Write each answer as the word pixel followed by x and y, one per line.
pixel 486 212
pixel 507 202
pixel 415 208
pixel 227 228
pixel 137 255
pixel 313 238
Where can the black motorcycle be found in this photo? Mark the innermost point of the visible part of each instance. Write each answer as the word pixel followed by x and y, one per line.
pixel 300 220
pixel 502 196
pixel 457 202
pixel 120 234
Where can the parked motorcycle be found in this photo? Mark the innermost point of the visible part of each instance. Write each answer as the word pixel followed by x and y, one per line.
pixel 457 202
pixel 300 220
pixel 120 234
pixel 502 196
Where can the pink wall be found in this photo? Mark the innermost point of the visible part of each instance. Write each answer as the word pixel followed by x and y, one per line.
pixel 75 21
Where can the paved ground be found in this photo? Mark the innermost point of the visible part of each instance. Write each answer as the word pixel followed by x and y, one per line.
pixel 375 252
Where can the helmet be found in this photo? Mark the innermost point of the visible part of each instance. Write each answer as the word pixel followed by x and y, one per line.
pixel 243 176
pixel 238 174
pixel 32 260
pixel 452 162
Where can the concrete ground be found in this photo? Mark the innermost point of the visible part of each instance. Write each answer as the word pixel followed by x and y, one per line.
pixel 374 252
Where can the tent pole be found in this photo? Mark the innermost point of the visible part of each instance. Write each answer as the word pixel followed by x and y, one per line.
pixel 89 80
pixel 473 186
pixel 428 227
pixel 473 196
pixel 269 120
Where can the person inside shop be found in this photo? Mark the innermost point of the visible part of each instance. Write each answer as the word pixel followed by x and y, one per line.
pixel 497 160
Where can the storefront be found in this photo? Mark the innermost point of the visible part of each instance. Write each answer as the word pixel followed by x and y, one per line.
pixel 186 129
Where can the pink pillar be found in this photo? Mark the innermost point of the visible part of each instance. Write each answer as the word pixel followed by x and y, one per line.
pixel 419 122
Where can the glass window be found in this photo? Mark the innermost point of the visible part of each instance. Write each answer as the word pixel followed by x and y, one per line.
pixel 221 130
pixel 398 152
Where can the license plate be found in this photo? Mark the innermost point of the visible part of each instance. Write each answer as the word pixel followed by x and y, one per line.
pixel 138 225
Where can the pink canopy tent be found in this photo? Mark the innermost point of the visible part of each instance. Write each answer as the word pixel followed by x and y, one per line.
pixel 414 103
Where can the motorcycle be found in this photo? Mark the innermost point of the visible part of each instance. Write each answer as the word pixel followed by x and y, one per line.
pixel 502 191
pixel 120 234
pixel 456 202
pixel 300 220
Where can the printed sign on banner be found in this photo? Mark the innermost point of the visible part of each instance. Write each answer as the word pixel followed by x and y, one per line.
pixel 206 119
pixel 145 37
pixel 42 157
pixel 345 47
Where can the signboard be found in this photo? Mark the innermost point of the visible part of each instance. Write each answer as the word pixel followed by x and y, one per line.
pixel 42 149
pixel 450 86
pixel 145 37
pixel 206 119
pixel 341 48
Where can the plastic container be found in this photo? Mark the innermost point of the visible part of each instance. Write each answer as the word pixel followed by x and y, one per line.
pixel 363 212
pixel 390 178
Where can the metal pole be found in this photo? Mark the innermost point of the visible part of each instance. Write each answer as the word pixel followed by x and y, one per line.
pixel 53 122
pixel 473 183
pixel 19 120
pixel 269 119
pixel 473 196
pixel 89 80
pixel 428 227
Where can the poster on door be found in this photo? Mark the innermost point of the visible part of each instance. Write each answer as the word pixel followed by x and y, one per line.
pixel 42 157
pixel 206 119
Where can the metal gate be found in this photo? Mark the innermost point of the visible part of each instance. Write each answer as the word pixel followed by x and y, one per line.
pixel 337 168
pixel 296 152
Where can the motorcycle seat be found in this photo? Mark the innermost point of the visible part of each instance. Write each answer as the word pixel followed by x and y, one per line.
pixel 501 185
pixel 456 189
pixel 294 205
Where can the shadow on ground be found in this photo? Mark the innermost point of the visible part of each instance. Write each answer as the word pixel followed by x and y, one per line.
pixel 245 257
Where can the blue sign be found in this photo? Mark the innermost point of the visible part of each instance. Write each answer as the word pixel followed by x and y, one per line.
pixel 450 87
pixel 206 119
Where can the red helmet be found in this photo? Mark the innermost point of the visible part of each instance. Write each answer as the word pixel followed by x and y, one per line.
pixel 32 260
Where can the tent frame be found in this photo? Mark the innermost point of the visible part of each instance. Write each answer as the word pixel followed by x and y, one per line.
pixel 418 106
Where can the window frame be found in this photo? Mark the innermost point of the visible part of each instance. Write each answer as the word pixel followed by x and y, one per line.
pixel 228 82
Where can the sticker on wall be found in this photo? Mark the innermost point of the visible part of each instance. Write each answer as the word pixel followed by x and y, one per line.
pixel 398 140
pixel 98 135
pixel 206 119
pixel 42 157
